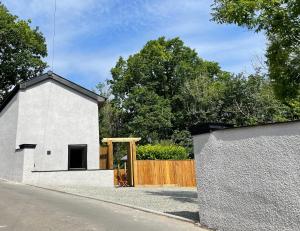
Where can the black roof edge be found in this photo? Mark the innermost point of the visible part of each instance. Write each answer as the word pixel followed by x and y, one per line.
pixel 201 128
pixel 57 78
pixel 62 80
pixel 210 127
pixel 9 97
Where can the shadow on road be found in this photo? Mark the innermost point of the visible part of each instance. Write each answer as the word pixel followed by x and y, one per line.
pixel 182 196
pixel 186 214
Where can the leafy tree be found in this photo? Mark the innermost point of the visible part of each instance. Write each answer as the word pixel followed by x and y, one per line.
pixel 109 118
pixel 203 98
pixel 162 65
pixel 147 86
pixel 183 138
pixel 166 88
pixel 233 99
pixel 21 51
pixel 147 115
pixel 280 20
pixel 250 101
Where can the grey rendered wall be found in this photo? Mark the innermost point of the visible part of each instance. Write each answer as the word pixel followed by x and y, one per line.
pixel 11 162
pixel 53 116
pixel 249 178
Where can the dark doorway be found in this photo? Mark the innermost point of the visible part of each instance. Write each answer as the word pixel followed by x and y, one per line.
pixel 77 157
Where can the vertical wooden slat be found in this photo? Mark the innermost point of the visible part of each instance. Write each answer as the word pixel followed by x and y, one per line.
pixel 133 150
pixel 103 157
pixel 165 172
pixel 129 164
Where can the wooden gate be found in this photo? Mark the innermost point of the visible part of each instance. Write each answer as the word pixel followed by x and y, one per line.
pixel 165 172
pixel 106 155
pixel 149 172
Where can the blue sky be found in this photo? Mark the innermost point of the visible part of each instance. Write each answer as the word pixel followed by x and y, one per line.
pixel 92 34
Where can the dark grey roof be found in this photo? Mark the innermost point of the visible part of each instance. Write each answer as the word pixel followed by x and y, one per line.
pixel 210 127
pixel 57 78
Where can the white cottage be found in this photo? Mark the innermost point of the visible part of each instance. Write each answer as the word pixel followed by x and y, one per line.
pixel 49 134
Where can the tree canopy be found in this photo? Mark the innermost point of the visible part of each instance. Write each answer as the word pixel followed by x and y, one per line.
pixel 237 99
pixel 147 87
pixel 21 51
pixel 280 21
pixel 165 88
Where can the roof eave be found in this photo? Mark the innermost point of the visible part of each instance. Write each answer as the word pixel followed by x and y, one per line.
pixel 9 97
pixel 50 75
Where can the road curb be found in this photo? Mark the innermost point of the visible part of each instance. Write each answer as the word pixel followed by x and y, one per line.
pixel 126 205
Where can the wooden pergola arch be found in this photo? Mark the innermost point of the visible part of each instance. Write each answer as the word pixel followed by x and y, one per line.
pixel 131 154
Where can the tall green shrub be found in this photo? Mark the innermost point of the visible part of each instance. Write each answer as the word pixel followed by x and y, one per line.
pixel 161 152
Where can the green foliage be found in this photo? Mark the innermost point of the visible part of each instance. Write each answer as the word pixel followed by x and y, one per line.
pixel 162 66
pixel 183 138
pixel 202 100
pixel 147 115
pixel 147 87
pixel 161 152
pixel 284 68
pixel 250 101
pixel 22 49
pixel 161 91
pixel 107 120
pixel 294 106
pixel 280 20
pixel 233 99
pixel 109 115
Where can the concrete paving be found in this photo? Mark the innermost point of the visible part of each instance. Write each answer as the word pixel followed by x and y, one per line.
pixel 28 208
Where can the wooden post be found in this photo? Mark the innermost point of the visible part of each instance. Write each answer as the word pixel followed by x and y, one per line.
pixel 134 163
pixel 110 162
pixel 130 166
pixel 131 159
pixel 131 156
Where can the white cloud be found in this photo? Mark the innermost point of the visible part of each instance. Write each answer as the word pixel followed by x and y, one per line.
pixel 241 45
pixel 92 34
pixel 235 55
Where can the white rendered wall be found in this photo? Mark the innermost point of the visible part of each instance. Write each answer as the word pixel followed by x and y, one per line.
pixel 249 178
pixel 11 162
pixel 53 117
pixel 96 178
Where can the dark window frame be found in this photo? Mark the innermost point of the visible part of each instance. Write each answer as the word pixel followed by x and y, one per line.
pixel 74 146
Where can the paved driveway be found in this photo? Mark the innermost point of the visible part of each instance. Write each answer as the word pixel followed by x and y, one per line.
pixel 172 200
pixel 28 208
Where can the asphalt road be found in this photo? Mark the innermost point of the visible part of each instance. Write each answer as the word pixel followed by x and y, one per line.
pixel 25 208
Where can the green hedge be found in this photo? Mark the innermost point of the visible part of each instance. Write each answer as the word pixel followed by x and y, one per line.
pixel 161 152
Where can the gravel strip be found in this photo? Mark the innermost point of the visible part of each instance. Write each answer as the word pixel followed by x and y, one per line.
pixel 173 200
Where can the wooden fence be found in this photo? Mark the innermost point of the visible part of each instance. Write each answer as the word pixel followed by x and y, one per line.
pixel 154 172
pixel 121 173
pixel 162 172
pixel 103 157
pixel 165 172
